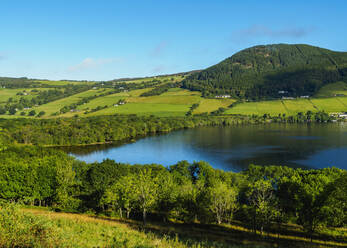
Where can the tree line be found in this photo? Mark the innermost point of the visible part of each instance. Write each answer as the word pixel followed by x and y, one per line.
pixel 112 128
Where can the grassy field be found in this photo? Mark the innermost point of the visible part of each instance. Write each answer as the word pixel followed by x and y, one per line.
pixel 290 107
pixel 5 94
pixel 209 105
pixel 55 106
pixel 177 102
pixel 330 90
pixel 39 227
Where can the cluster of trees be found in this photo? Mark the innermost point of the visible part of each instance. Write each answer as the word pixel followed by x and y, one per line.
pixel 260 72
pixel 15 83
pixel 300 117
pixel 101 129
pixel 160 89
pixel 105 129
pixel 192 108
pixel 260 197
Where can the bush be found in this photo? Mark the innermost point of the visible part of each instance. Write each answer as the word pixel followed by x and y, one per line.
pixel 19 229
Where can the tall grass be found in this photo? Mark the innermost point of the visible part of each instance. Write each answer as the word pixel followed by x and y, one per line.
pixel 41 228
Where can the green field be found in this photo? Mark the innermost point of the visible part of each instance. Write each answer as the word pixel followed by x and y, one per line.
pixel 55 106
pixel 5 94
pixel 176 102
pixel 336 104
pixel 330 90
pixel 290 107
pixel 209 105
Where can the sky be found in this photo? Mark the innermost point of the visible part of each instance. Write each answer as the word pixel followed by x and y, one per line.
pixel 105 40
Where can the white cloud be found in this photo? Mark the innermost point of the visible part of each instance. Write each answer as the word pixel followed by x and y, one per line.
pixel 90 63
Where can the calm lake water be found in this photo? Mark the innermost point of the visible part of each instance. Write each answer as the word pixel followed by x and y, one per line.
pixel 234 148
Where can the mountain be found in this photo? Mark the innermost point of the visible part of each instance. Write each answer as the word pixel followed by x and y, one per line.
pixel 271 71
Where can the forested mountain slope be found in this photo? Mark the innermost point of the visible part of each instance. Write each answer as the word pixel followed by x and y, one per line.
pixel 263 71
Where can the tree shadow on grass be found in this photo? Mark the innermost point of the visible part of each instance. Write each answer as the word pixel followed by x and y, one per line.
pixel 234 235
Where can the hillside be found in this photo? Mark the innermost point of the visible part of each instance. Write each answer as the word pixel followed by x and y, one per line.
pixel 40 227
pixel 261 72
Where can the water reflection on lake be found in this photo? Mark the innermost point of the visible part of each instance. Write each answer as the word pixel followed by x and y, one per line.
pixel 233 148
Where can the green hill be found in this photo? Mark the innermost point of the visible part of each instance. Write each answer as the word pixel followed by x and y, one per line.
pixel 262 72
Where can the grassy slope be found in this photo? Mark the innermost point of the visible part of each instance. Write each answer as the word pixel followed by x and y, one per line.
pixel 177 102
pixel 332 89
pixel 209 105
pixel 5 94
pixel 80 230
pixel 290 107
pixel 55 106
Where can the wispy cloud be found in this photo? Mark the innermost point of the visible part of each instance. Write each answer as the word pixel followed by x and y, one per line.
pixel 159 49
pixel 264 31
pixel 159 69
pixel 90 63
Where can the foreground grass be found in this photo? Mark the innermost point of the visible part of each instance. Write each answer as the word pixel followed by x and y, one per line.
pixel 38 227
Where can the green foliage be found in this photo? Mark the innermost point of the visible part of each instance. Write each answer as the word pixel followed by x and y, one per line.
pixel 187 192
pixel 18 229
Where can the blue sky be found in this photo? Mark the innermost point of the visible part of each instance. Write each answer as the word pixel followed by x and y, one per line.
pixel 104 40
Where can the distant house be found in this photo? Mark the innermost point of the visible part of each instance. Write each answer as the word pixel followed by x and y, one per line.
pixel 223 96
pixel 339 115
pixel 304 96
pixel 282 92
pixel 95 88
pixel 287 98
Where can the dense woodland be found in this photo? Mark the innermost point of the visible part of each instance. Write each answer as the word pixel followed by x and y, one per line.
pixel 260 72
pixel 260 196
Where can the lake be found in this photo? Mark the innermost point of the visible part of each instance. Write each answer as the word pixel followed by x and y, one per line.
pixel 233 148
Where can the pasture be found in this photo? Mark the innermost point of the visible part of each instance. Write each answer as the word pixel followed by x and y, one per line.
pixel 291 107
pixel 330 90
pixel 55 106
pixel 5 94
pixel 209 105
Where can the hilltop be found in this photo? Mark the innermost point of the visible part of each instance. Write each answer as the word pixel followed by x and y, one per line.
pixel 262 72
